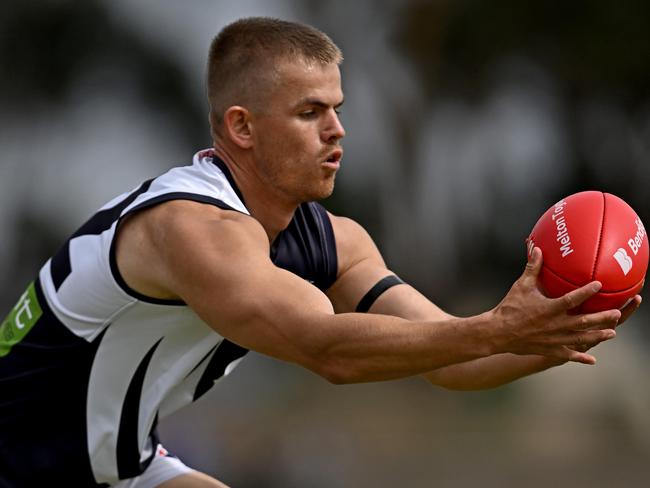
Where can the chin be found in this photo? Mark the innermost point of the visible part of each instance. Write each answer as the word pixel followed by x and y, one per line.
pixel 326 190
pixel 319 193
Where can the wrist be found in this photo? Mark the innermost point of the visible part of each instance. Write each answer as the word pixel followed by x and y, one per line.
pixel 487 333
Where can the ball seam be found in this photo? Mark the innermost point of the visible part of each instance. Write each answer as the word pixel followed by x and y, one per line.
pixel 603 291
pixel 600 237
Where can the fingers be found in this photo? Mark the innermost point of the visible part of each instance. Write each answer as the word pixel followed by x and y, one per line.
pixel 580 357
pixel 576 345
pixel 607 319
pixel 568 323
pixel 535 324
pixel 565 353
pixel 630 308
pixel 575 356
pixel 575 298
pixel 581 340
pixel 533 266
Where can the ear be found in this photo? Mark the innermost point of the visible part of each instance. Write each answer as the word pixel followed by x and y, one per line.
pixel 237 126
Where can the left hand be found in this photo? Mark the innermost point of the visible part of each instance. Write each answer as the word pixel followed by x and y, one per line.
pixel 626 312
pixel 630 308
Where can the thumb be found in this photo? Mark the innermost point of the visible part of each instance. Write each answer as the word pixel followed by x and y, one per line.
pixel 534 265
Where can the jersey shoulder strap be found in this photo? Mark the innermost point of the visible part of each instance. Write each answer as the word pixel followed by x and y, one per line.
pixel 307 247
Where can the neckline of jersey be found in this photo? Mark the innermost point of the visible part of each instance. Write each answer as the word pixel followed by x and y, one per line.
pixel 216 160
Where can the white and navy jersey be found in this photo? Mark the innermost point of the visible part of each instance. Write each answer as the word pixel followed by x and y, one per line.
pixel 88 366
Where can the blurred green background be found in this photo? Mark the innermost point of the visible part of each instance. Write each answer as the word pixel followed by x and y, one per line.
pixel 465 121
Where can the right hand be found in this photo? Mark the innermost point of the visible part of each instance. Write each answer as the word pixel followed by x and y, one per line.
pixel 530 323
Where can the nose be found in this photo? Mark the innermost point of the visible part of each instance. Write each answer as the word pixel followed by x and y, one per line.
pixel 333 130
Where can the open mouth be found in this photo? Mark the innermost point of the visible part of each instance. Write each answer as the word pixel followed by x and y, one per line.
pixel 335 157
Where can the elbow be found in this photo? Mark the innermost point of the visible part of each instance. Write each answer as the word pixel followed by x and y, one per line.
pixel 333 371
pixel 333 374
pixel 335 379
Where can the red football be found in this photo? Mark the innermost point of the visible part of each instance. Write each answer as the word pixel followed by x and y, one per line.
pixel 590 236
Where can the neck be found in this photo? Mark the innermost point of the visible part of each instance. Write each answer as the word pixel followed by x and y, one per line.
pixel 271 210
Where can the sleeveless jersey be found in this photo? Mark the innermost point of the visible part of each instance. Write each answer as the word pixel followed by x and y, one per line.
pixel 88 365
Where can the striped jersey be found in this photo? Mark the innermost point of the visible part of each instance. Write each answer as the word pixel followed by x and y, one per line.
pixel 88 365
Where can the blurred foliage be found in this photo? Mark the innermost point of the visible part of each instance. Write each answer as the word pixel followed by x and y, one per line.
pixel 593 49
pixel 46 46
pixel 593 46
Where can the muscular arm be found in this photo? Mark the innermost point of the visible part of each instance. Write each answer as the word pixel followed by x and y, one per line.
pixel 218 262
pixel 362 266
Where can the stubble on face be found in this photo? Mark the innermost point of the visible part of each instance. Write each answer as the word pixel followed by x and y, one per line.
pixel 290 143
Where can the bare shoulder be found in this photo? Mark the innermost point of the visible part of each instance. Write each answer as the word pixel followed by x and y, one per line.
pixel 353 243
pixel 345 227
pixel 189 223
pixel 217 262
pixel 166 220
pixel 154 243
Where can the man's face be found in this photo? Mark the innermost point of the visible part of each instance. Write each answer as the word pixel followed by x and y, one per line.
pixel 297 134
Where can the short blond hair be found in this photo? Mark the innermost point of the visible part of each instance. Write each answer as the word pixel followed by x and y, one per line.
pixel 244 54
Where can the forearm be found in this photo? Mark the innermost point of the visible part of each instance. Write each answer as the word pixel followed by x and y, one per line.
pixel 300 327
pixel 525 324
pixel 489 372
pixel 352 348
pixel 478 374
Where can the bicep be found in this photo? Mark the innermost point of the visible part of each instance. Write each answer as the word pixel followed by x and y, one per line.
pixel 218 263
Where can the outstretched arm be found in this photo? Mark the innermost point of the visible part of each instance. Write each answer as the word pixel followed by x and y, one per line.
pixel 362 266
pixel 218 263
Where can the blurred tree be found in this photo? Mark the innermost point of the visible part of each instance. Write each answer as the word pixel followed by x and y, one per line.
pixel 593 46
pixel 47 46
pixel 596 49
